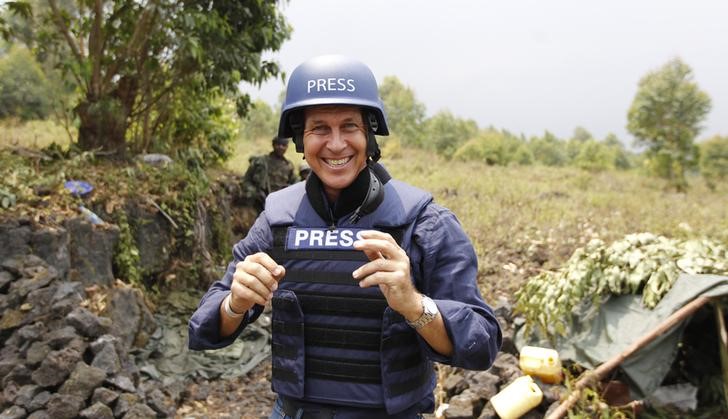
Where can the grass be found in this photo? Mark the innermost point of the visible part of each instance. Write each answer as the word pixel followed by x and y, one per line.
pixel 33 134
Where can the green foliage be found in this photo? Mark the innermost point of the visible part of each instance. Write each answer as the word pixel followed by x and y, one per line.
pixel 594 156
pixel 714 161
pixel 491 147
pixel 548 150
pixel 665 116
pixel 155 64
pixel 445 132
pixel 24 90
pixel 17 9
pixel 642 262
pixel 126 255
pixel 260 122
pixel 405 114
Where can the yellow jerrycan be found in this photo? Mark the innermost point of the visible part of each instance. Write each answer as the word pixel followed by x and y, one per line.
pixel 540 362
pixel 517 398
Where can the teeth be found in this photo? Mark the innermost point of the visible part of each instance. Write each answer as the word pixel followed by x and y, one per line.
pixel 337 162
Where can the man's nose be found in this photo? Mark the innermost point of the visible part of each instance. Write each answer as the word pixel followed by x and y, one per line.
pixel 336 142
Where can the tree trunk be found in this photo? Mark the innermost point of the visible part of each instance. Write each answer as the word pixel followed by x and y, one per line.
pixel 103 126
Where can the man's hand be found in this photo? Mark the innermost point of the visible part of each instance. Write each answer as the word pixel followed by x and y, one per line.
pixel 254 281
pixel 389 268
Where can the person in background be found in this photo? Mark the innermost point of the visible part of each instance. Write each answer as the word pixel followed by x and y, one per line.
pixel 370 281
pixel 304 170
pixel 268 173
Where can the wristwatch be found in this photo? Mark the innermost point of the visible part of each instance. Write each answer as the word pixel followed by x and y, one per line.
pixel 429 312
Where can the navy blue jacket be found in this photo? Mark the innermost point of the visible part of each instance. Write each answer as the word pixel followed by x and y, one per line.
pixel 443 266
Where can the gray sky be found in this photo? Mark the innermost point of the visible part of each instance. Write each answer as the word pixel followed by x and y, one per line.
pixel 525 66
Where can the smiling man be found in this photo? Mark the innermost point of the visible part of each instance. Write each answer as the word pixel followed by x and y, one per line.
pixel 370 281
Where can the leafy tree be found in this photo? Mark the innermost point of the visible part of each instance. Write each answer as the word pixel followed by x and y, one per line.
pixel 581 134
pixel 24 90
pixel 405 114
pixel 143 67
pixel 446 132
pixel 594 156
pixel 489 147
pixel 15 8
pixel 548 150
pixel 261 121
pixel 665 116
pixel 714 160
pixel 620 156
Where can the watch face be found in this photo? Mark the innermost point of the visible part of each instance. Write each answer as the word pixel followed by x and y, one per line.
pixel 430 306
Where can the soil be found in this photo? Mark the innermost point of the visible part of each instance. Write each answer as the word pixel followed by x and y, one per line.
pixel 246 397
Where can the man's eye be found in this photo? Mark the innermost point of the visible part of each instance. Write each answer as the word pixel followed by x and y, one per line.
pixel 320 130
pixel 350 127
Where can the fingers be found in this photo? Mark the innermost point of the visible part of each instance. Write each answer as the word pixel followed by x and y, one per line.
pixel 376 244
pixel 254 280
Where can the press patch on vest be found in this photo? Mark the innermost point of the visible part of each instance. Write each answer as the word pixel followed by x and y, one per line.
pixel 322 238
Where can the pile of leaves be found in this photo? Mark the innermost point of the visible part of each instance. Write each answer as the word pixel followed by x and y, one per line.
pixel 642 263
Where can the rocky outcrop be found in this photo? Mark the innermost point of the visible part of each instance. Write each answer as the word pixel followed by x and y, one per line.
pixel 59 359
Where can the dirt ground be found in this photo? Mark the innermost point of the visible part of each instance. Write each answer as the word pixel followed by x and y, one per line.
pixel 247 397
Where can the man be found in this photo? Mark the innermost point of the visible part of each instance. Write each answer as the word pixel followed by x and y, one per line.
pixel 268 173
pixel 370 281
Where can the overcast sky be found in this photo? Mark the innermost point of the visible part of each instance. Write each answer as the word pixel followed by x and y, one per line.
pixel 525 66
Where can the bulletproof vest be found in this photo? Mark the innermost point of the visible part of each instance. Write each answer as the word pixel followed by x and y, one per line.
pixel 334 342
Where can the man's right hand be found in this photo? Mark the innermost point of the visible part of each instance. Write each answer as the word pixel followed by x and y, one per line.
pixel 254 281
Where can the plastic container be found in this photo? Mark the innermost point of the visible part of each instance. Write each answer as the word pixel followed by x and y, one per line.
pixel 517 398
pixel 540 362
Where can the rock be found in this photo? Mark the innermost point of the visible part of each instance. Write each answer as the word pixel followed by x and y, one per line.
pixel 484 384
pixel 506 367
pixel 15 239
pixel 51 245
pixel 153 238
pixel 41 277
pixel 20 375
pixel 5 279
pixel 87 323
pixel 59 338
pixel 107 360
pixel 13 412
pixel 122 383
pixel 40 414
pixel 104 395
pixel 92 251
pixel 130 316
pixel 463 406
pixel 11 319
pixel 28 333
pixel 140 411
pixel 25 395
pixel 7 363
pixel 83 380
pixel 488 412
pixel 39 401
pixel 160 403
pixel 124 404
pixel 64 406
pixel 56 367
pixel 97 411
pixel 454 384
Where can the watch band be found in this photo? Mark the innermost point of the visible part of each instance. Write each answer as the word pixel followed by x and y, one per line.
pixel 429 312
pixel 229 309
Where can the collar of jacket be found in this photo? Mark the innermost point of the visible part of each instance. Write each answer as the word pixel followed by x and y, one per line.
pixel 350 198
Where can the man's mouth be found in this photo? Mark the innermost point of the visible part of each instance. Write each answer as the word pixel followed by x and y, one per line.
pixel 337 162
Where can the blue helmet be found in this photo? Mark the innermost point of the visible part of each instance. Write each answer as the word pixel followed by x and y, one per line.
pixel 331 80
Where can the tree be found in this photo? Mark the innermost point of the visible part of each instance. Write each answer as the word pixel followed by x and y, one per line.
pixel 446 132
pixel 405 114
pixel 548 150
pixel 24 90
pixel 665 116
pixel 144 66
pixel 260 121
pixel 714 160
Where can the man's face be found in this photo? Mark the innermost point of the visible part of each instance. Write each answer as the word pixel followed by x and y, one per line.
pixel 334 145
pixel 280 148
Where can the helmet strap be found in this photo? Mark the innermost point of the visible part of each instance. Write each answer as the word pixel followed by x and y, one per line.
pixel 373 151
pixel 295 119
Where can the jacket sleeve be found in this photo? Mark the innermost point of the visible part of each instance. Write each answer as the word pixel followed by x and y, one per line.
pixel 447 273
pixel 204 325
